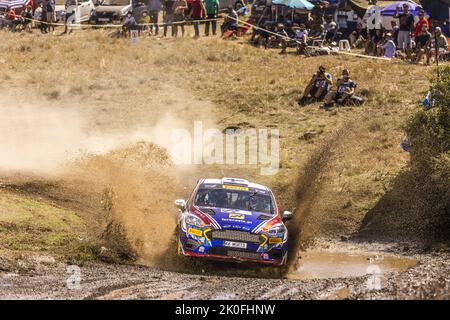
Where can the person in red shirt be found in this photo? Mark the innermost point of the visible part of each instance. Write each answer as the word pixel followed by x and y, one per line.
pixel 198 11
pixel 11 16
pixel 422 21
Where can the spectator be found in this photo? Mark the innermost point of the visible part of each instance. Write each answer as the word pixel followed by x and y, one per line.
pixel 212 8
pixel 279 38
pixel 169 15
pixel 345 88
pixel 155 6
pixel 437 43
pixel 394 32
pixel 406 28
pixel 330 28
pixel 422 21
pixel 318 86
pixel 144 22
pixel 388 48
pixel 12 19
pixel 423 40
pixel 50 14
pixel 129 23
pixel 230 21
pixel 180 9
pixel 27 16
pixel 372 18
pixel 69 6
pixel 198 12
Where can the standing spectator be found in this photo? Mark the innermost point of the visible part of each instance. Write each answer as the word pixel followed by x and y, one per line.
pixel 129 23
pixel 212 8
pixel 394 32
pixel 50 14
pixel 422 21
pixel 144 22
pixel 180 9
pixel 70 6
pixel 197 13
pixel 27 18
pixel 169 15
pixel 372 17
pixel 317 15
pixel 155 6
pixel 406 28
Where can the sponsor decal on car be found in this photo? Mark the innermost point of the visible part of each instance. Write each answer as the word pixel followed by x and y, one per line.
pixel 275 240
pixel 235 187
pixel 195 232
pixel 236 216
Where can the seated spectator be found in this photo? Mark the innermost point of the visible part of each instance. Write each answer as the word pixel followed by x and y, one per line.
pixel 280 37
pixel 422 42
pixel 300 39
pixel 344 90
pixel 388 48
pixel 374 42
pixel 318 87
pixel 357 39
pixel 318 35
pixel 27 16
pixel 11 19
pixel 441 46
pixel 330 28
pixel 230 21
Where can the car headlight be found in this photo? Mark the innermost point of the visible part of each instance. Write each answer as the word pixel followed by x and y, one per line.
pixel 277 229
pixel 194 220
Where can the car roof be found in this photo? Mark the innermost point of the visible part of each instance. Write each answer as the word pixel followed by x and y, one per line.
pixel 234 181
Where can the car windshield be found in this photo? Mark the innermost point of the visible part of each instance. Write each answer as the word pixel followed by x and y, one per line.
pixel 114 2
pixel 249 200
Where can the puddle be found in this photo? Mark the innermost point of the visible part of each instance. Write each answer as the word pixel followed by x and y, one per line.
pixel 321 264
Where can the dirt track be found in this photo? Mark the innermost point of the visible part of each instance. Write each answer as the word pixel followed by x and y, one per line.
pixel 43 278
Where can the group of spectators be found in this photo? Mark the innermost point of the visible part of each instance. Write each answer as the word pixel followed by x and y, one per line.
pixel 36 10
pixel 176 13
pixel 406 39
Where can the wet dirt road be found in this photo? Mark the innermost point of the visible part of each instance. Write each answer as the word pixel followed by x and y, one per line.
pixel 320 275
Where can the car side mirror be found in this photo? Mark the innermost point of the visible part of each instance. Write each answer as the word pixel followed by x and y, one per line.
pixel 180 204
pixel 287 215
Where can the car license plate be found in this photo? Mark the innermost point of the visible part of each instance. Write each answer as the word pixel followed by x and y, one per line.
pixel 103 19
pixel 232 244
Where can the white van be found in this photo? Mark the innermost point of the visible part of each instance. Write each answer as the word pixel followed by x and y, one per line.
pixel 83 10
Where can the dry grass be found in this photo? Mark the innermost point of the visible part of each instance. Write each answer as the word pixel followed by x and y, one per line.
pixel 234 84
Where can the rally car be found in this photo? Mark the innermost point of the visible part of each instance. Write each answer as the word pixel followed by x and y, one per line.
pixel 232 219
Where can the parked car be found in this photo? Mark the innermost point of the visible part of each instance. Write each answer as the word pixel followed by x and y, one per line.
pixel 113 11
pixel 83 10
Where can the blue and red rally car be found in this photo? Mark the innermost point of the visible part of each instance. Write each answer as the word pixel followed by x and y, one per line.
pixel 232 219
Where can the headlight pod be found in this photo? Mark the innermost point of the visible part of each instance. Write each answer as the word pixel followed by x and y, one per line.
pixel 194 220
pixel 277 229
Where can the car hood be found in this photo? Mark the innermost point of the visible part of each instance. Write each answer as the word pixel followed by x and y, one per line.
pixel 110 8
pixel 243 220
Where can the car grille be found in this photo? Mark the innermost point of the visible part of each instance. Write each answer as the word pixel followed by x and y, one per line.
pixel 235 235
pixel 243 254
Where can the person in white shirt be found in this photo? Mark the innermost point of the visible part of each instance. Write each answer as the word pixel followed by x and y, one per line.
pixel 372 18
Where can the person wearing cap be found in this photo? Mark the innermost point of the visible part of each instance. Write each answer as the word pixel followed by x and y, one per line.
pixel 344 89
pixel 406 28
pixel 422 22
pixel 437 42
pixel 129 23
pixel 388 48
pixel 318 86
pixel 144 21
